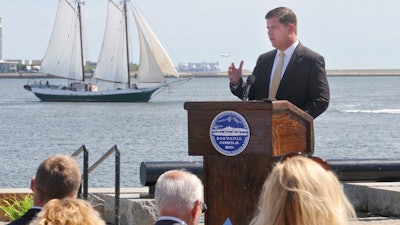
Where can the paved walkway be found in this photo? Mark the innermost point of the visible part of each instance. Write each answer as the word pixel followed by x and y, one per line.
pixel 377 221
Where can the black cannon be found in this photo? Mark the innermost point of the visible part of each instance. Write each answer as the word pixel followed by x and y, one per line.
pixel 347 170
pixel 366 170
pixel 150 171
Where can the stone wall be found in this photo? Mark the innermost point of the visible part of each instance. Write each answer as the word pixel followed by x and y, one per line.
pixel 378 198
pixel 133 211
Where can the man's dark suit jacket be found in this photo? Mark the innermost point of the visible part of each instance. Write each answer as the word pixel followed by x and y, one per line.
pixel 304 82
pixel 166 222
pixel 26 218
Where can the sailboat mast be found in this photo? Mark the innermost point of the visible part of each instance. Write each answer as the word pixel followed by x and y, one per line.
pixel 126 42
pixel 80 39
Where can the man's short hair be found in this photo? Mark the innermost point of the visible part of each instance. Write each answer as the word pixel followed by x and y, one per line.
pixel 57 177
pixel 286 16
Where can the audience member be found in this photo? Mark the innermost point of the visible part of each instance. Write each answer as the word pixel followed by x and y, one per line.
pixel 179 198
pixel 299 191
pixel 56 177
pixel 68 211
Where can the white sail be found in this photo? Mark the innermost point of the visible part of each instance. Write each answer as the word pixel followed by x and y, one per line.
pixel 112 65
pixel 63 56
pixel 154 60
pixel 113 62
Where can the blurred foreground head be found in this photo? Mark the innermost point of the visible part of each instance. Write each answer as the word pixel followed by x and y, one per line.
pixel 68 211
pixel 299 191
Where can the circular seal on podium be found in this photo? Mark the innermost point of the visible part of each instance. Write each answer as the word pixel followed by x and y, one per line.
pixel 229 133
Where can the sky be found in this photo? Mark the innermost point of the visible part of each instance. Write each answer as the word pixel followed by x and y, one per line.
pixel 350 34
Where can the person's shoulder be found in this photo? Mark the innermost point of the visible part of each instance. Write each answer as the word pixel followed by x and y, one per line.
pixel 304 50
pixel 166 222
pixel 26 218
pixel 266 55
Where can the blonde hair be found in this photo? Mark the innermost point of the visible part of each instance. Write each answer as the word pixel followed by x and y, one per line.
pixel 68 211
pixel 300 192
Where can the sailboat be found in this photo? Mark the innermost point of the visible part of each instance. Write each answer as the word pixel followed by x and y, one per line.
pixel 64 58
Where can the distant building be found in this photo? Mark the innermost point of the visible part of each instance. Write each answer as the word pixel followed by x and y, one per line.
pixel 199 67
pixel 8 67
pixel 26 62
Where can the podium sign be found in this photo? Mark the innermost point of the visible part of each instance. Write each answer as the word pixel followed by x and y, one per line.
pixel 237 141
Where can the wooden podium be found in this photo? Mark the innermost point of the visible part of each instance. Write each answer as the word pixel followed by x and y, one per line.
pixel 233 183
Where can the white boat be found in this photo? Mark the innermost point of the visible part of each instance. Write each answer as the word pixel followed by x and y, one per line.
pixel 64 58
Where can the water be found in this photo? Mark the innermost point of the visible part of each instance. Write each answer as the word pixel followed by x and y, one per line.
pixel 361 122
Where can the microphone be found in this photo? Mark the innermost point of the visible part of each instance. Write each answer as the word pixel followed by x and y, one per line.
pixel 250 81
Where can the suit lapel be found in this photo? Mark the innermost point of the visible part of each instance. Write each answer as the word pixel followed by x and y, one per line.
pixel 294 62
pixel 269 65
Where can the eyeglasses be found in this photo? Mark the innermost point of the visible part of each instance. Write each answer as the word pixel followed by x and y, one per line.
pixel 203 206
pixel 320 161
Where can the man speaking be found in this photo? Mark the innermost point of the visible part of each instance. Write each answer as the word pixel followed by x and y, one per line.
pixel 290 72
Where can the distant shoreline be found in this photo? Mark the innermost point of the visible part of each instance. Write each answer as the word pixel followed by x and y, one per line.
pixel 377 72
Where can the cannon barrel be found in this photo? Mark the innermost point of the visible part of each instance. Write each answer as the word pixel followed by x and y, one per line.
pixel 150 171
pixel 364 170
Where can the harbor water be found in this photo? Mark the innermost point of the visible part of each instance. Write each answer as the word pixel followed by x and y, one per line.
pixel 362 121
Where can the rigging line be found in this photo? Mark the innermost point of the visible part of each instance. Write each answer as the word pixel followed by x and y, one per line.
pixel 174 84
pixel 134 6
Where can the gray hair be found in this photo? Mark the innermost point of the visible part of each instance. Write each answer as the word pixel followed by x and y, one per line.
pixel 178 191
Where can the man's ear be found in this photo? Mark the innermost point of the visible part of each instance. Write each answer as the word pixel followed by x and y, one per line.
pixel 194 210
pixel 291 28
pixel 33 179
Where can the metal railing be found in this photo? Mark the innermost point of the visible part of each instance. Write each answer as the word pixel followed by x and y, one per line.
pixel 87 170
pixel 85 176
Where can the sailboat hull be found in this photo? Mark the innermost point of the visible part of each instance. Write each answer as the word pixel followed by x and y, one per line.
pixel 122 95
pixel 64 59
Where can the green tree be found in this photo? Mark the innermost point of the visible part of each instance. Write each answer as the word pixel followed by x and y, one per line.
pixel 21 67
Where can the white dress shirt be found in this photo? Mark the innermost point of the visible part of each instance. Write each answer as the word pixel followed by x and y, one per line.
pixel 172 218
pixel 288 54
